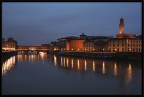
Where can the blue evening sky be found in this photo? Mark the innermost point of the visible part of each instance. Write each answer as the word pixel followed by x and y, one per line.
pixel 36 23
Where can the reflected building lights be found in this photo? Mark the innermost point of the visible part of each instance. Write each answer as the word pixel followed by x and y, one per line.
pixel 115 69
pixel 85 65
pixel 19 58
pixel 61 61
pixel 8 65
pixel 67 62
pixel 72 63
pixel 32 58
pixel 93 66
pixel 78 64
pixel 103 68
pixel 55 60
pixel 64 61
pixel 42 55
pixel 129 74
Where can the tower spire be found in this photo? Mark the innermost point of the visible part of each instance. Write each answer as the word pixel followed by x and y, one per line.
pixel 121 26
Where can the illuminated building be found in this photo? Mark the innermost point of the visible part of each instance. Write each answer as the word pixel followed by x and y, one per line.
pixel 89 45
pixel 75 44
pixel 9 45
pixel 101 44
pixel 125 42
pixel 125 45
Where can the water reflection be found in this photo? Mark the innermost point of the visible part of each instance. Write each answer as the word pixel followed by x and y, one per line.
pixel 121 71
pixel 31 58
pixel 72 63
pixel 115 69
pixel 129 74
pixel 85 65
pixel 94 66
pixel 103 68
pixel 8 65
pixel 55 60
pixel 110 68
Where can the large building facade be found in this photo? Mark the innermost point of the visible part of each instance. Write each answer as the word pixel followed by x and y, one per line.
pixel 125 45
pixel 89 45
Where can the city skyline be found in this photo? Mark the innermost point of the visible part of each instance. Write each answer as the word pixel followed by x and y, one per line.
pixel 41 23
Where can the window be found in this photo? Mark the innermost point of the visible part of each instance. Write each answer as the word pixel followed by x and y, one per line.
pixel 122 49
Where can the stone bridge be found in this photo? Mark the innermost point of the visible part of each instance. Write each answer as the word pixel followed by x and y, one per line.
pixel 31 49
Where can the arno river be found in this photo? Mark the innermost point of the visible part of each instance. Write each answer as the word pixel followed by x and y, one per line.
pixel 46 74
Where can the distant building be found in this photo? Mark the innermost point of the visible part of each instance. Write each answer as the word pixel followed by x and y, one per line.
pixel 9 45
pixel 125 42
pixel 122 43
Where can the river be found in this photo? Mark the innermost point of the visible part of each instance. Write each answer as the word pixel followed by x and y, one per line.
pixel 47 74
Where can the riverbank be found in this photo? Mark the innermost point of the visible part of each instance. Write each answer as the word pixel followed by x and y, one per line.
pixel 105 55
pixel 7 55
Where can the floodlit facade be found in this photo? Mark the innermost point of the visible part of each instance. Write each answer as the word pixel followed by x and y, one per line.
pixel 125 45
pixel 75 45
pixel 89 45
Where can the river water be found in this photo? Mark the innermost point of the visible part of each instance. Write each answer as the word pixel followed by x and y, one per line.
pixel 46 74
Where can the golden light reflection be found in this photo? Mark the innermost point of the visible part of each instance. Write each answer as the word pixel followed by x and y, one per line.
pixel 72 63
pixel 25 57
pixel 78 64
pixel 61 61
pixel 115 69
pixel 64 61
pixel 129 74
pixel 93 65
pixel 32 58
pixel 67 62
pixel 41 55
pixel 55 60
pixel 8 65
pixel 103 68
pixel 19 58
pixel 85 65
